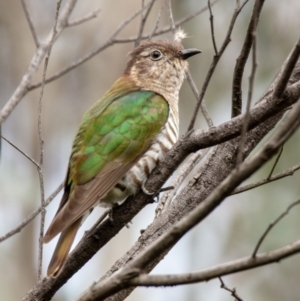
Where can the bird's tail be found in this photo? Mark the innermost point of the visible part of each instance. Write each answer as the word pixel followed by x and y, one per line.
pixel 62 249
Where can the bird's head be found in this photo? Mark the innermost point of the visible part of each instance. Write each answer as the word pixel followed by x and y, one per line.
pixel 159 66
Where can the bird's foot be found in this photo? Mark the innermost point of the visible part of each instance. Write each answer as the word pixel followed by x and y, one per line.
pixel 156 196
pixel 146 191
pixel 111 211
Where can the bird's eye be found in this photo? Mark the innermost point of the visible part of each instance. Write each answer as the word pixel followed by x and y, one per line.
pixel 156 55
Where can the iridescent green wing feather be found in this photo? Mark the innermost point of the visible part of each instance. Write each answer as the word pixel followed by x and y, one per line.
pixel 114 133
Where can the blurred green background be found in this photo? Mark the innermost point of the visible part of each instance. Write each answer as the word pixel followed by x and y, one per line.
pixel 228 233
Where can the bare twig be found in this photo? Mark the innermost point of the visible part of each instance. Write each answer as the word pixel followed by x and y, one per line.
pixel 41 142
pixel 272 224
pixel 288 69
pixel 211 19
pixel 19 150
pixel 188 74
pixel 35 62
pixel 236 108
pixel 232 291
pixel 26 221
pixel 288 172
pixel 144 17
pixel 172 22
pixel 169 27
pixel 203 108
pixel 275 163
pixel 231 267
pixel 156 23
pixel 31 26
pixel 89 16
pixel 249 100
pixel 214 63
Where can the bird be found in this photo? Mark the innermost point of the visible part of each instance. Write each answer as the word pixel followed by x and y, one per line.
pixel 121 138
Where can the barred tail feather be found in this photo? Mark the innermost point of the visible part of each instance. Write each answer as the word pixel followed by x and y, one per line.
pixel 62 249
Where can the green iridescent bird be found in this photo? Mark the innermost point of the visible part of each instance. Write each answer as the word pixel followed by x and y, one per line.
pixel 121 139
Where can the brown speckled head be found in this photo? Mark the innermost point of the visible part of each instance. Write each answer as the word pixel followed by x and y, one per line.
pixel 159 66
pixel 141 55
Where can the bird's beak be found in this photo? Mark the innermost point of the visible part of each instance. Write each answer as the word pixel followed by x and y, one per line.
pixel 186 53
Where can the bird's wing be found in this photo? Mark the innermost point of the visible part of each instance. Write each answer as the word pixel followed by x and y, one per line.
pixel 107 145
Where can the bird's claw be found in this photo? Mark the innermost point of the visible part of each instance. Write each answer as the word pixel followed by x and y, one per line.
pixel 146 191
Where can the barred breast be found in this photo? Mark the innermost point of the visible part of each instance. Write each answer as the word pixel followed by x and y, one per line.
pixel 140 172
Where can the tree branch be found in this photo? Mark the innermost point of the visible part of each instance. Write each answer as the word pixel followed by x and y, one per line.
pixel 32 215
pixel 35 62
pixel 214 63
pixel 31 26
pixel 231 267
pixel 288 172
pixel 88 17
pixel 269 228
pixel 41 144
pixel 236 108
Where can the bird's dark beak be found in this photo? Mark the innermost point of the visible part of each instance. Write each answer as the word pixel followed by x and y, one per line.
pixel 186 53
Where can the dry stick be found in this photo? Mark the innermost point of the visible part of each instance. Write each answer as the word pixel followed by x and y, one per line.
pixel 288 172
pixel 275 163
pixel 287 71
pixel 232 291
pixel 168 27
pixel 227 268
pixel 141 28
pixel 31 26
pixel 34 64
pixel 107 287
pixel 276 221
pixel 143 22
pixel 249 100
pixel 172 22
pixel 19 150
pixel 214 64
pixel 211 19
pixel 156 23
pixel 26 221
pixel 41 142
pixel 110 41
pixel 203 108
pixel 241 61
pixel 92 15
